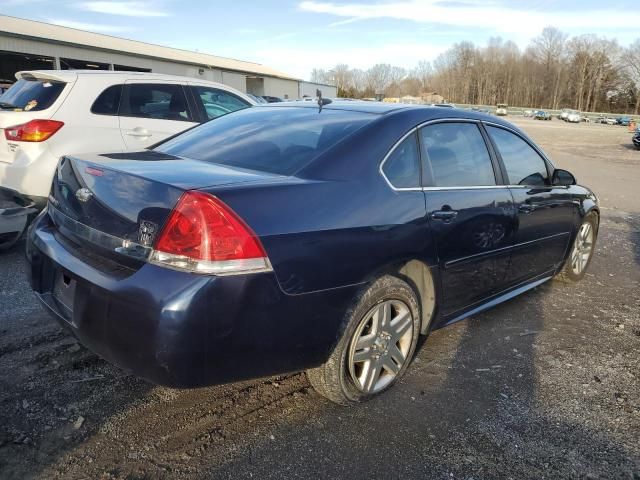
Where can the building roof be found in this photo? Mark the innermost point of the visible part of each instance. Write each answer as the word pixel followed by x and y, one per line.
pixel 70 36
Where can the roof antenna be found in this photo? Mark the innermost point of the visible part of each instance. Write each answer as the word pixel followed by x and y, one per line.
pixel 321 101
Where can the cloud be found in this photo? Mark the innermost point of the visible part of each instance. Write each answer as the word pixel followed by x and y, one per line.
pixel 501 17
pixel 91 27
pixel 299 61
pixel 127 9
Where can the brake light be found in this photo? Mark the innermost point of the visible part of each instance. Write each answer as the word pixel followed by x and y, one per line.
pixel 33 131
pixel 204 235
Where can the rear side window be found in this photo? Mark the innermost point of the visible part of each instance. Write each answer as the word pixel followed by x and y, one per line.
pixel 108 101
pixel 457 155
pixel 402 166
pixel 523 164
pixel 31 95
pixel 270 139
pixel 158 101
pixel 217 102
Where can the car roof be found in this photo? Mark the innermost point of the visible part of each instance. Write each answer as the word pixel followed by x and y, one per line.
pixel 419 113
pixel 72 75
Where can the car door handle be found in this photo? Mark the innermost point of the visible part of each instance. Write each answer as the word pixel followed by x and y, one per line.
pixel 139 132
pixel 446 215
pixel 526 208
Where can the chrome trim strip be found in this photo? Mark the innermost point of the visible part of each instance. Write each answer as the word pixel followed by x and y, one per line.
pixel 101 239
pixel 526 139
pixel 386 157
pixel 503 249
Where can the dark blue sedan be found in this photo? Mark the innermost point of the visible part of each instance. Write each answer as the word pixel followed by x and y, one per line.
pixel 286 238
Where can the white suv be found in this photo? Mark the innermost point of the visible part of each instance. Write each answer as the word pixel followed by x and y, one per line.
pixel 50 113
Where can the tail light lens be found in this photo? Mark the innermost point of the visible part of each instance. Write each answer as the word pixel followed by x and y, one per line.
pixel 204 235
pixel 33 131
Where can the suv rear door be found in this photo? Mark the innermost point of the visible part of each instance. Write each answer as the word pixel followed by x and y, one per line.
pixel 152 111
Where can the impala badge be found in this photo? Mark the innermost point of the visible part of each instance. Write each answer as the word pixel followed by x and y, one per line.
pixel 147 232
pixel 84 195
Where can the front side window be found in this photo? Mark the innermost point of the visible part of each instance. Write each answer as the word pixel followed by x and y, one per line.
pixel 158 101
pixel 523 164
pixel 457 155
pixel 108 101
pixel 402 166
pixel 218 102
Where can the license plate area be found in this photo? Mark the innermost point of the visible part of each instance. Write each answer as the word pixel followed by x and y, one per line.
pixel 64 292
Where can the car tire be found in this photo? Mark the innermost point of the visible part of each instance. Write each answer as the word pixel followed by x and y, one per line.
pixel 581 254
pixel 379 336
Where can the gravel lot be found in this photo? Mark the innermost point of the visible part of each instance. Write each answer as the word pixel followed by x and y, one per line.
pixel 544 386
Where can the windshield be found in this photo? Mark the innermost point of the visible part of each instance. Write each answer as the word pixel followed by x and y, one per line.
pixel 31 95
pixel 270 139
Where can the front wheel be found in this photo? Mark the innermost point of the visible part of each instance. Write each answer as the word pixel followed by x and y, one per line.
pixel 581 254
pixel 381 330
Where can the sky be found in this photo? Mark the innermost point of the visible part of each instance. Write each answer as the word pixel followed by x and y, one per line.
pixel 295 36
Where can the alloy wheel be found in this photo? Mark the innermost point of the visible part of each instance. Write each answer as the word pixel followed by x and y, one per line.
pixel 380 346
pixel 582 248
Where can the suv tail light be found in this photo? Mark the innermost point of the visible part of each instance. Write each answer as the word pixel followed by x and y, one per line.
pixel 204 235
pixel 33 131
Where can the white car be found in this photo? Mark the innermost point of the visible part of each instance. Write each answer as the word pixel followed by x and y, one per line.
pixel 502 109
pixel 610 121
pixel 574 117
pixel 48 114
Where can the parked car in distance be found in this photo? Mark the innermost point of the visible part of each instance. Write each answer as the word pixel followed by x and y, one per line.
pixel 256 98
pixel 564 113
pixel 541 115
pixel 49 113
pixel 271 99
pixel 610 121
pixel 529 113
pixel 574 117
pixel 285 238
pixel 502 109
pixel 624 121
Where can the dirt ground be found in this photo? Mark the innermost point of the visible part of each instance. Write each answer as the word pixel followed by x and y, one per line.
pixel 544 386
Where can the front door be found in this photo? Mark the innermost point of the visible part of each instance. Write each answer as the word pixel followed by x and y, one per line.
pixel 471 217
pixel 151 112
pixel 546 213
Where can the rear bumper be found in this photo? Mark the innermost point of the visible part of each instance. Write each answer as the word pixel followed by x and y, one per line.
pixel 185 330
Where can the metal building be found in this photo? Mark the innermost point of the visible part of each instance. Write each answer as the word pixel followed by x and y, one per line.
pixel 31 45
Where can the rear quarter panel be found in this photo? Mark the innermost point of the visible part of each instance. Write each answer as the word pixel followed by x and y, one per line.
pixel 337 223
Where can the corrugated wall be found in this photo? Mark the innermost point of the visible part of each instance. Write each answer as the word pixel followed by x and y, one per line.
pixel 278 87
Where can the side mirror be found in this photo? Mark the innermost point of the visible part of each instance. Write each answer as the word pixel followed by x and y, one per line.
pixel 563 178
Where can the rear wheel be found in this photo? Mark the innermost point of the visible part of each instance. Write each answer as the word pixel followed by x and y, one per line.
pixel 379 340
pixel 581 254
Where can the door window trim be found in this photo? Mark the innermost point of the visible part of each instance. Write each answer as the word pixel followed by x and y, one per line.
pixel 497 172
pixel 547 162
pixel 414 132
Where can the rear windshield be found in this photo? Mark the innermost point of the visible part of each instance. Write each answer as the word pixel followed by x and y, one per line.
pixel 31 95
pixel 269 139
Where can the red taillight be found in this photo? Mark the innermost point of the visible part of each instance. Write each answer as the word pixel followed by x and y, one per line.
pixel 204 235
pixel 33 131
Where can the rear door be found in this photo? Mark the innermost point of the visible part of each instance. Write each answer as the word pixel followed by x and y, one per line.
pixel 471 215
pixel 151 112
pixel 546 213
